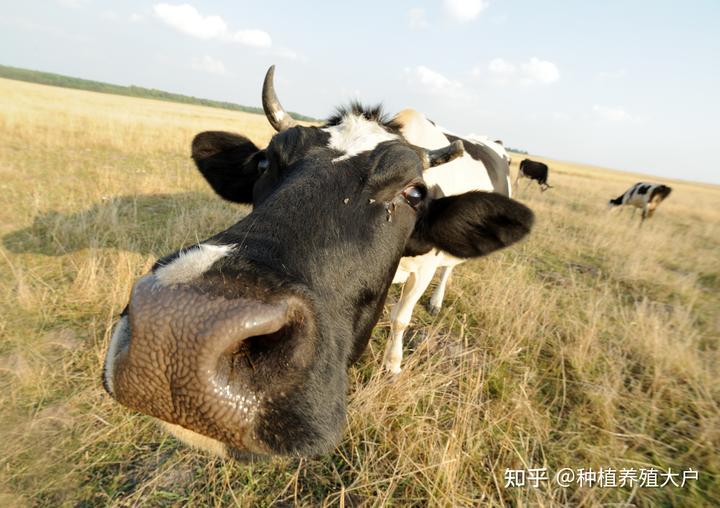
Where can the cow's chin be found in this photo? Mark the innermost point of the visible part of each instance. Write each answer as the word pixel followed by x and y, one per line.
pixel 210 445
pixel 195 440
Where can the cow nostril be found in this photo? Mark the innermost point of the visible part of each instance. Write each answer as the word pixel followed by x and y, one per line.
pixel 254 358
pixel 261 348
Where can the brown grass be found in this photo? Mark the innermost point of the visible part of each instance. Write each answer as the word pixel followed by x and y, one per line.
pixel 592 344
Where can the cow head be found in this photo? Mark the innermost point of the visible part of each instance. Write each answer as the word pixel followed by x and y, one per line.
pixel 241 344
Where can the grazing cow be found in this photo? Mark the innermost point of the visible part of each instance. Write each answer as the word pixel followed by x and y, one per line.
pixel 241 344
pixel 647 196
pixel 534 170
pixel 481 167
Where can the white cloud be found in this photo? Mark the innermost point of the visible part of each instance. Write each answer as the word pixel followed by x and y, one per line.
pixel 611 114
pixel 418 19
pixel 533 71
pixel 430 80
pixel 500 66
pixel 257 38
pixel 540 71
pixel 288 54
pixel 208 64
pixel 186 19
pixel 500 71
pixel 465 10
pixel 136 18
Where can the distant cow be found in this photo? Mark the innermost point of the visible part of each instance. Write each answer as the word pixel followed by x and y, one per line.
pixel 534 170
pixel 647 196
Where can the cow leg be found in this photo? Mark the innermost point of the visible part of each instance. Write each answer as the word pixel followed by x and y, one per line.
pixel 439 294
pixel 644 214
pixel 517 179
pixel 401 314
pixel 650 209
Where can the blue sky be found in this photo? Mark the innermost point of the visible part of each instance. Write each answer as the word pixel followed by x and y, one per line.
pixel 625 84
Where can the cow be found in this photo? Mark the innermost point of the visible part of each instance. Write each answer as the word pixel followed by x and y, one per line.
pixel 481 167
pixel 647 196
pixel 534 170
pixel 240 344
pixel 497 145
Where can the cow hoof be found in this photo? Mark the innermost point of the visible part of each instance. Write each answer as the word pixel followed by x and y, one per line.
pixel 434 310
pixel 393 369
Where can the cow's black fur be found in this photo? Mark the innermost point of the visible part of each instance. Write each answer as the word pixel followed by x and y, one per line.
pixel 331 233
pixel 662 191
pixel 373 114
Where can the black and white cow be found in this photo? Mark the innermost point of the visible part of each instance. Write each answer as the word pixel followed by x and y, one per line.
pixel 646 196
pixel 241 344
pixel 534 170
pixel 481 167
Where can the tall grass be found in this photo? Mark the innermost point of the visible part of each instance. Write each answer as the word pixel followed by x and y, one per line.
pixel 592 344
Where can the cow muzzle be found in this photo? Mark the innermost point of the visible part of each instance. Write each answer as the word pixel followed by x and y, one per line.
pixel 206 362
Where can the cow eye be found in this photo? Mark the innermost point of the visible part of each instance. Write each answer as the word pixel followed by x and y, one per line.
pixel 414 195
pixel 263 164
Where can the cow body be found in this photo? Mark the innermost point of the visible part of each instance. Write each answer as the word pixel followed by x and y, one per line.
pixel 534 170
pixel 643 195
pixel 496 145
pixel 241 344
pixel 481 167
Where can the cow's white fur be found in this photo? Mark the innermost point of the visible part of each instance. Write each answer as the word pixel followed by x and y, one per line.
pixel 120 335
pixel 191 263
pixel 356 134
pixel 439 294
pixel 456 177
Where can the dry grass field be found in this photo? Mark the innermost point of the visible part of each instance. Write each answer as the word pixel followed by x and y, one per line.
pixel 594 343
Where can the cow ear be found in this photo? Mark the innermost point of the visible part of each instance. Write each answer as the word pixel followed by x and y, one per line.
pixel 470 225
pixel 229 163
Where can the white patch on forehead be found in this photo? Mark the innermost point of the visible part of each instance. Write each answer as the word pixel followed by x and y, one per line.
pixel 121 335
pixel 197 440
pixel 356 134
pixel 191 263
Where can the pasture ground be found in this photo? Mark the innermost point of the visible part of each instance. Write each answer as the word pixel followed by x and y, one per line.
pixel 594 343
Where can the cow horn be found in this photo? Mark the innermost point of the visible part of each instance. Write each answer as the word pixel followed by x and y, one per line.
pixel 443 155
pixel 276 115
